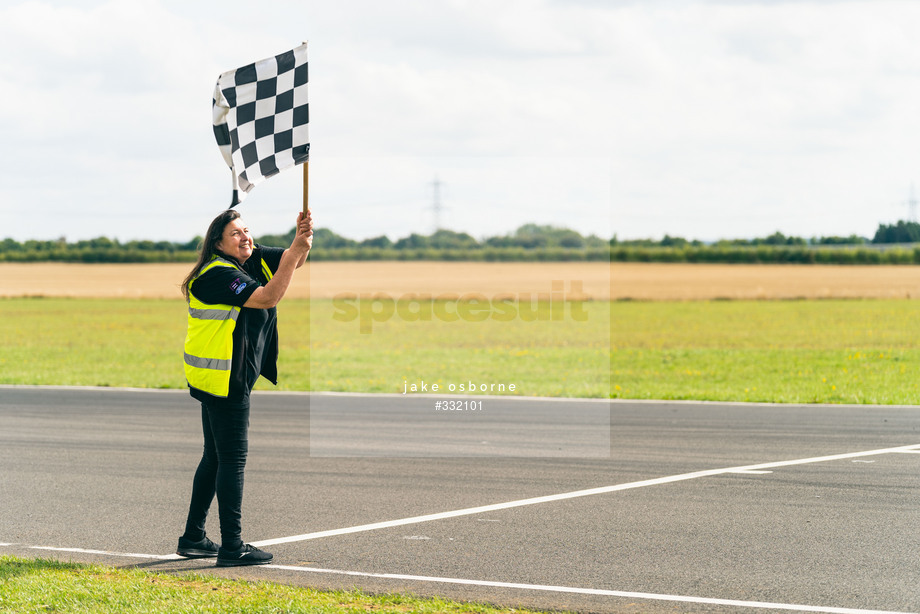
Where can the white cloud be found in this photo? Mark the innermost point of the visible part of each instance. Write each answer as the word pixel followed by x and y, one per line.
pixel 766 116
pixel 717 118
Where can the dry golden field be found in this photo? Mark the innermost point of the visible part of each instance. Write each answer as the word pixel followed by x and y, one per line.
pixel 599 281
pixel 762 281
pixel 319 280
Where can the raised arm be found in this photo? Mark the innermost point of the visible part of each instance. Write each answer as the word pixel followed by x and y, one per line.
pixel 293 258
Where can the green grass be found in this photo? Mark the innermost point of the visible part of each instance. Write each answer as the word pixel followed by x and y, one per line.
pixel 92 342
pixel 546 357
pixel 829 351
pixel 39 586
pixel 138 343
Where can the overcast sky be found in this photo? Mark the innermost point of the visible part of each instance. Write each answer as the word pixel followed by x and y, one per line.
pixel 703 119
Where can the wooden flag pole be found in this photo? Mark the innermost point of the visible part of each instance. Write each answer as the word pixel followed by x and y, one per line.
pixel 306 176
pixel 306 183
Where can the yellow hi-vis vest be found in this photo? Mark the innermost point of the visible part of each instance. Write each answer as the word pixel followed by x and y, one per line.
pixel 209 341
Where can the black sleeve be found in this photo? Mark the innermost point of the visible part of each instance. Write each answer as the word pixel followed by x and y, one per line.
pixel 272 256
pixel 225 286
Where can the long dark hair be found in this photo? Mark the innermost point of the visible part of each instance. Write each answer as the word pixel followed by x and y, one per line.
pixel 208 247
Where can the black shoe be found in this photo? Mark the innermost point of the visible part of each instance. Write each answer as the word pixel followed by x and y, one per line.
pixel 246 555
pixel 196 550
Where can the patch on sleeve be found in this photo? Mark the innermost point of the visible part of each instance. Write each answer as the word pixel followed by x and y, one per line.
pixel 237 285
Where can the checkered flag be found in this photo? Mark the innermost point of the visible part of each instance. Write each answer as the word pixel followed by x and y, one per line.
pixel 261 118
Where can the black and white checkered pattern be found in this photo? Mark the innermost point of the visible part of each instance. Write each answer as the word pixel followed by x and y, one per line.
pixel 261 118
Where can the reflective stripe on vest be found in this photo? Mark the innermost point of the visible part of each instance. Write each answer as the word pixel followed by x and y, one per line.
pixel 266 271
pixel 209 342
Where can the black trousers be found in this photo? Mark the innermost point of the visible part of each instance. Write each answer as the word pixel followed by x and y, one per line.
pixel 220 472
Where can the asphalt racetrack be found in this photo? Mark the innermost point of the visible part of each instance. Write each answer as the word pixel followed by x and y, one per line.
pixel 675 507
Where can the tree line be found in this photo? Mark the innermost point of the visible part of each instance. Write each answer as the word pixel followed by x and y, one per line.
pixel 899 232
pixel 528 242
pixel 891 244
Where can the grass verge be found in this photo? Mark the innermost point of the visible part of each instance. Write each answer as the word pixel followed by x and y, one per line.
pixel 138 343
pixel 824 351
pixel 828 351
pixel 41 585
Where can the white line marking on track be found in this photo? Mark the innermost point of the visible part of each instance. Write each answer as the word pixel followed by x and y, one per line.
pixel 575 494
pixel 755 469
pixel 749 472
pixel 134 555
pixel 592 591
pixel 268 393
pixel 513 585
pixel 401 395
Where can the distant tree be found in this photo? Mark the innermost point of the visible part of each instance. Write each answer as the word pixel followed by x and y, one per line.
pixel 902 232
pixel 669 241
pixel 503 241
pixel 638 243
pixel 448 239
pixel 594 241
pixel 278 240
pixel 382 241
pixel 9 245
pixel 327 238
pixel 413 241
pixel 531 236
pixel 534 229
pixel 192 245
pixel 321 236
pixel 778 238
pixel 99 242
pixel 568 238
pixel 835 240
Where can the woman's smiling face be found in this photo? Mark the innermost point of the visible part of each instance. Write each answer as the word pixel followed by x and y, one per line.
pixel 236 241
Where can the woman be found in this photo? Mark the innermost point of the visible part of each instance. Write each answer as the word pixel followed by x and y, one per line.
pixel 232 340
